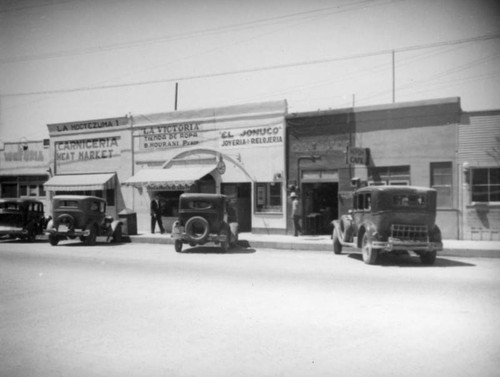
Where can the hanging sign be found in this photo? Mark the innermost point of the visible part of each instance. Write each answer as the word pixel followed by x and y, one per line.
pixel 357 156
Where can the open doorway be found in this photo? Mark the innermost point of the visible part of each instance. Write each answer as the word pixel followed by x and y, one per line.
pixel 320 206
pixel 242 193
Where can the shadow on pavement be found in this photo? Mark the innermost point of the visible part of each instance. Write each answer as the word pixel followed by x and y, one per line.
pixel 389 260
pixel 217 250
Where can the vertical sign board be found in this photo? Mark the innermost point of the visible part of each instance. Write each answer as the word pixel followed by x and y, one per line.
pixel 357 156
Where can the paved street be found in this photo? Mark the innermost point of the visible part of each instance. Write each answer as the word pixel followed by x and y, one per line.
pixel 144 310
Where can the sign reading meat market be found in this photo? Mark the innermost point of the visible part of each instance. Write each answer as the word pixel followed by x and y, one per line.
pixel 71 155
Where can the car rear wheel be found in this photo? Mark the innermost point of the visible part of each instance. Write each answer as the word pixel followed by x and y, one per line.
pixel 117 235
pixel 428 258
pixel 337 246
pixel 370 254
pixel 197 229
pixel 53 239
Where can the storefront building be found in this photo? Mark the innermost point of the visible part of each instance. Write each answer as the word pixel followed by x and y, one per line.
pixel 479 162
pixel 24 168
pixel 237 150
pixel 410 143
pixel 90 158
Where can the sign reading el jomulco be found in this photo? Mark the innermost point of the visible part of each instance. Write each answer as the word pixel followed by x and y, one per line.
pixel 92 154
pixel 252 136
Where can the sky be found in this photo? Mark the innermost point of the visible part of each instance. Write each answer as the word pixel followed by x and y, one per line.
pixel 75 60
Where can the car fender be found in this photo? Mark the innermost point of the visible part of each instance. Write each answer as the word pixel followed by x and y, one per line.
pixel 366 227
pixel 115 224
pixel 50 225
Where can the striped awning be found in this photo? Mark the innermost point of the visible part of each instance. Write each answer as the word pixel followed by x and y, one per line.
pixel 81 182
pixel 177 177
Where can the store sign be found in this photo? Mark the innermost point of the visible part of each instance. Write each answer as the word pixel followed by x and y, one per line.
pixel 23 155
pixel 88 126
pixel 170 136
pixel 92 154
pixel 252 136
pixel 357 155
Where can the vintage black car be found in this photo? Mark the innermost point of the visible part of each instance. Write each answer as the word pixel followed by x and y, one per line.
pixel 81 216
pixel 204 218
pixel 21 218
pixel 390 219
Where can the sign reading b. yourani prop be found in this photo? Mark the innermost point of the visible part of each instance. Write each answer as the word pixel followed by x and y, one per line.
pixel 94 154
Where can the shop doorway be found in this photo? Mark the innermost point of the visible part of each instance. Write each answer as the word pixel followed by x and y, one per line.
pixel 241 192
pixel 320 206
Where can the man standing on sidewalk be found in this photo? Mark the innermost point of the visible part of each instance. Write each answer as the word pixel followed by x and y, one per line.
pixel 156 215
pixel 296 214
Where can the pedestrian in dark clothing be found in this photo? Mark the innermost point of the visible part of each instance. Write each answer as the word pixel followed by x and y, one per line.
pixel 156 215
pixel 296 214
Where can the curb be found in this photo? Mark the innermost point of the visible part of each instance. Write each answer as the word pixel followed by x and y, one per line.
pixel 456 250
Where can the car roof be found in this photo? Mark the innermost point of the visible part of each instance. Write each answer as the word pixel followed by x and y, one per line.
pixel 394 189
pixel 19 200
pixel 77 197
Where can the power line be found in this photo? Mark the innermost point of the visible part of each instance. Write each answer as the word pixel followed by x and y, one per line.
pixel 200 33
pixel 263 68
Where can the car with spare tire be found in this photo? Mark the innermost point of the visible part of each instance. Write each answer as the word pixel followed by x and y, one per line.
pixel 204 218
pixel 83 217
pixel 390 219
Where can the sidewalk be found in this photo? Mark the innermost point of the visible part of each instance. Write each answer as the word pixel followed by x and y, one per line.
pixel 481 249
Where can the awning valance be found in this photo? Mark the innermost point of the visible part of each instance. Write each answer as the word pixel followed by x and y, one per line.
pixel 177 177
pixel 81 182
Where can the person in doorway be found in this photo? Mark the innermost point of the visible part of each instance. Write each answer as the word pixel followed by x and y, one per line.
pixel 156 215
pixel 296 214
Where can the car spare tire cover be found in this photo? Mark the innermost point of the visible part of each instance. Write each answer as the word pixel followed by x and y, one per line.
pixel 197 229
pixel 67 220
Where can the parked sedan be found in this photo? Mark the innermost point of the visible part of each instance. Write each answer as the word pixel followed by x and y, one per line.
pixel 21 218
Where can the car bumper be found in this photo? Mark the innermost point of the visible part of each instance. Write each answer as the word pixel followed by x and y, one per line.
pixel 68 233
pixel 393 244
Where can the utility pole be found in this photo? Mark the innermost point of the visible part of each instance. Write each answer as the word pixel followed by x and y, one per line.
pixel 176 92
pixel 393 77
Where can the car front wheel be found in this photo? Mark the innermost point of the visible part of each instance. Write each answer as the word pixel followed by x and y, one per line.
pixel 369 253
pixel 91 238
pixel 337 246
pixel 178 246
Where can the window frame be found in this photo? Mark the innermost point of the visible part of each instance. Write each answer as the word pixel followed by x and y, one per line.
pixel 263 198
pixel 487 185
pixel 441 186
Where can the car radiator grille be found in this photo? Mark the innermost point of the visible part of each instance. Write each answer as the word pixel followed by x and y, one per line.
pixel 409 232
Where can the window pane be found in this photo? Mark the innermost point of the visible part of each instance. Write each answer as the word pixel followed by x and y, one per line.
pixel 480 176
pixel 495 176
pixel 495 193
pixel 268 197
pixel 480 194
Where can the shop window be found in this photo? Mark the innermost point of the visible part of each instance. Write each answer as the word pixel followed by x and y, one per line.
pixel 9 190
pixel 389 175
pixel 268 197
pixel 442 181
pixel 169 202
pixel 486 185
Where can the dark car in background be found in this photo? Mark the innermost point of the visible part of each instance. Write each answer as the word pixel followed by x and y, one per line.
pixel 83 217
pixel 390 219
pixel 21 218
pixel 204 218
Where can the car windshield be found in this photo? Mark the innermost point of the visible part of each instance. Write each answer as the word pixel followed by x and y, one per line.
pixel 409 200
pixel 10 206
